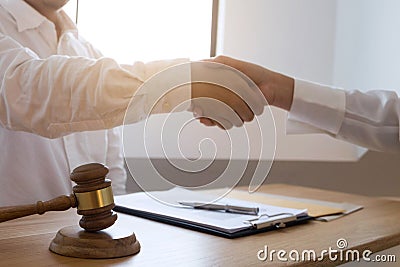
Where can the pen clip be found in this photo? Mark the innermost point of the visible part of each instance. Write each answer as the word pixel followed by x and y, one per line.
pixel 278 223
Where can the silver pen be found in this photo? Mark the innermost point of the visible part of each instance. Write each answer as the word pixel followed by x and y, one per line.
pixel 222 207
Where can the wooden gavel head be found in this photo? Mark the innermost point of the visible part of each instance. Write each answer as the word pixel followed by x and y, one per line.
pixel 94 197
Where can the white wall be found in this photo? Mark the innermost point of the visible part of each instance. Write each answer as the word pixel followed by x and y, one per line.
pixel 367 44
pixel 293 37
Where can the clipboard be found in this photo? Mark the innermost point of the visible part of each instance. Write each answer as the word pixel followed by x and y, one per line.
pixel 253 229
pixel 144 206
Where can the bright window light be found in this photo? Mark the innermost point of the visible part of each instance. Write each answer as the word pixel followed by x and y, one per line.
pixel 145 30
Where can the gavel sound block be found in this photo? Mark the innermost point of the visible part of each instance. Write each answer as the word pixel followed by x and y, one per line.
pixel 93 198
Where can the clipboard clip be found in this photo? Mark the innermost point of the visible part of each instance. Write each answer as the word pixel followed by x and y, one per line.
pixel 259 223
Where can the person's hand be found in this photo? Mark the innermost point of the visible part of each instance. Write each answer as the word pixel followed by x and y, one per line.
pixel 216 105
pixel 223 96
pixel 277 88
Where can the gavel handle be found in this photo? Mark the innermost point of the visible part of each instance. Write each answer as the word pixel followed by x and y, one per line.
pixel 56 204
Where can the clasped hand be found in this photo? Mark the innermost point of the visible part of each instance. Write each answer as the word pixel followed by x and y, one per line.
pixel 223 96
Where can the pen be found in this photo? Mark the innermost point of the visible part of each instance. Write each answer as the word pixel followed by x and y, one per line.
pixel 223 207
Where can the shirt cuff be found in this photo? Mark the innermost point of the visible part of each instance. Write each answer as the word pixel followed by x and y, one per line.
pixel 316 109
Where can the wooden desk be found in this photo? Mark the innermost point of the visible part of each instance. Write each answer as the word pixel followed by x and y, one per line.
pixel 25 241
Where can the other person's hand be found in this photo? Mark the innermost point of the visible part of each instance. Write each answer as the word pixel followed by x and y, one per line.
pixel 277 88
pixel 223 96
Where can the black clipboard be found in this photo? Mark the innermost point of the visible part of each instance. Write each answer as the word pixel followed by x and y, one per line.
pixel 253 228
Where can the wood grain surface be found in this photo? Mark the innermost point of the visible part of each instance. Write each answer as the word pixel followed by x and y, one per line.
pixel 25 241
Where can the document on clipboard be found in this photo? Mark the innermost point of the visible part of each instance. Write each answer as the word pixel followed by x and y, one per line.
pixel 165 207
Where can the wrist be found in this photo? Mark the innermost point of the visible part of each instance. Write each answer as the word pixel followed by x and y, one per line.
pixel 282 88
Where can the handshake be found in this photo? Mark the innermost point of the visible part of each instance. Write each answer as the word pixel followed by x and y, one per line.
pixel 227 92
pixel 223 92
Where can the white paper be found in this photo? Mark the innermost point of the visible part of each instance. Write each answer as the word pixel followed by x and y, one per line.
pixel 220 220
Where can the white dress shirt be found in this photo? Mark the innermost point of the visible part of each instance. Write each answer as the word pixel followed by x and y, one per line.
pixel 52 87
pixel 368 119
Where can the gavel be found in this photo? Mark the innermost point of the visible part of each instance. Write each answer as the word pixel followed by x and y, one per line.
pixel 92 196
